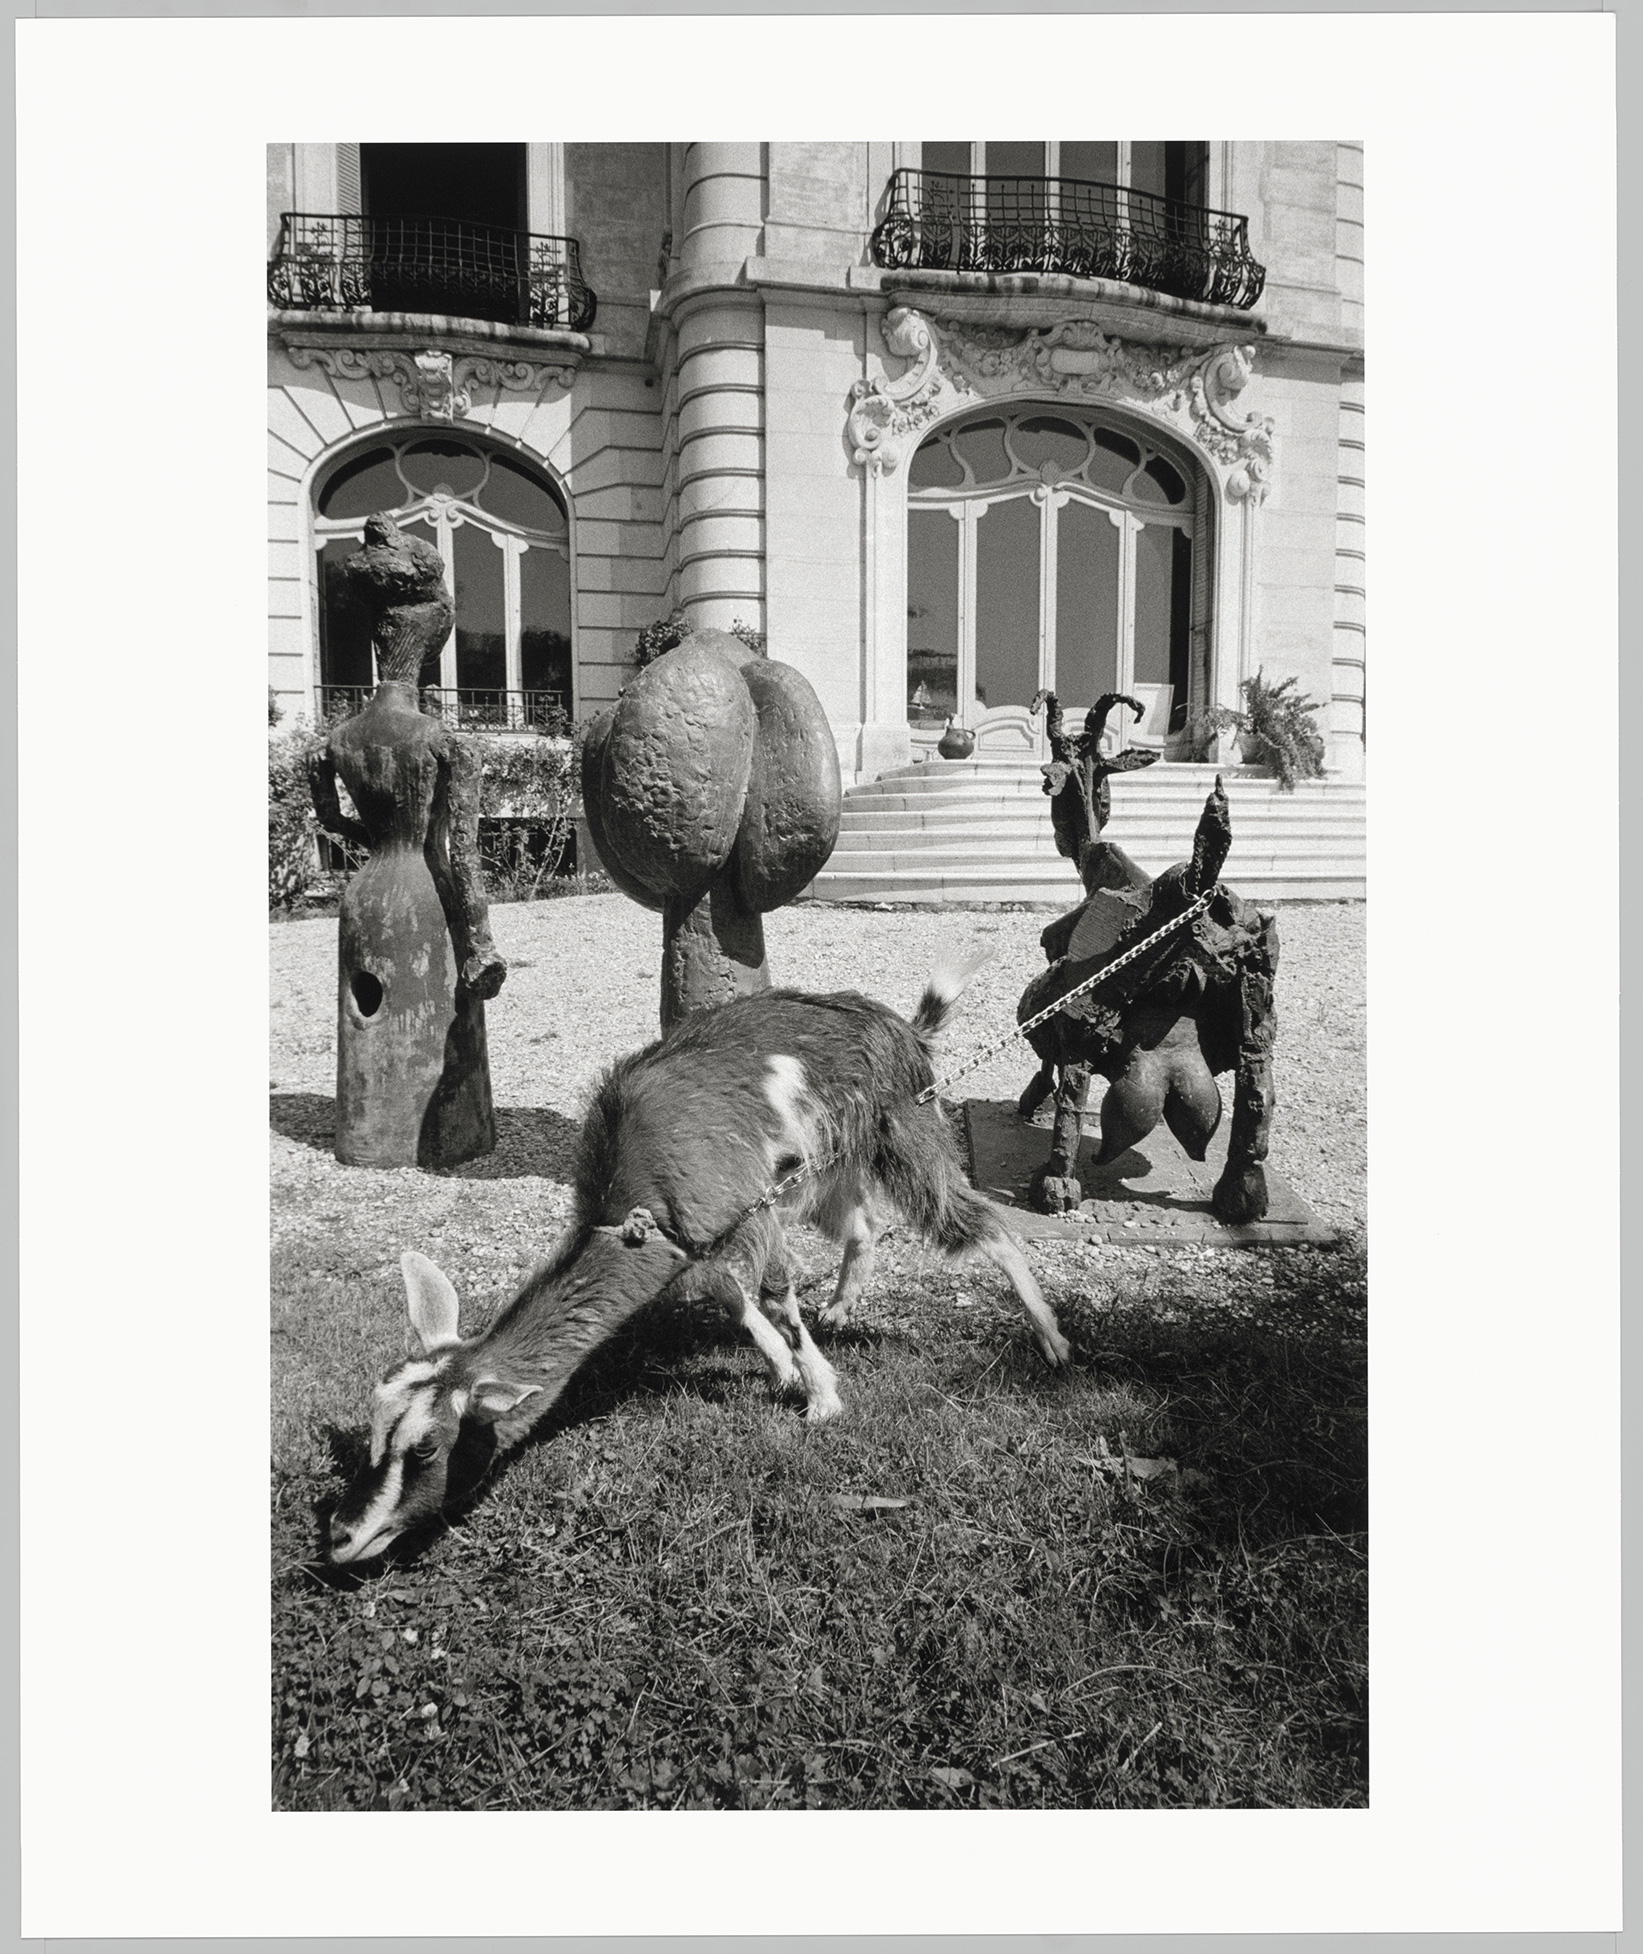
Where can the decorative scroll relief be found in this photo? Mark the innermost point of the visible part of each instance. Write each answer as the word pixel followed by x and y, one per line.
pixel 433 385
pixel 1191 391
pixel 885 412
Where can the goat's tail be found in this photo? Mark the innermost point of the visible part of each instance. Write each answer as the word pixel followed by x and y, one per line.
pixel 948 982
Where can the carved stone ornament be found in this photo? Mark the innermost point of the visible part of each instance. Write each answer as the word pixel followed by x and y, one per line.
pixel 433 385
pixel 1193 392
pixel 885 412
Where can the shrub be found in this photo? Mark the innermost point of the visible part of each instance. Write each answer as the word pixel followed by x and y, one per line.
pixel 661 636
pixel 1280 733
pixel 292 828
pixel 1204 726
pixel 673 629
pixel 527 791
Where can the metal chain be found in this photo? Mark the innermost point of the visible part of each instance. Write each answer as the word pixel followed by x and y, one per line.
pixel 1066 997
pixel 805 1169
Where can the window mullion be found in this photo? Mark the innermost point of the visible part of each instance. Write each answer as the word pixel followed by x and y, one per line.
pixel 513 548
pixel 1048 546
pixel 968 515
pixel 1127 528
pixel 445 539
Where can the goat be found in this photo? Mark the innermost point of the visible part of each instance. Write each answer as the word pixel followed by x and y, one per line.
pixel 679 1143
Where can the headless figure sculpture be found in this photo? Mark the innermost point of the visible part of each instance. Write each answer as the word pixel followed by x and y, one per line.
pixel 417 962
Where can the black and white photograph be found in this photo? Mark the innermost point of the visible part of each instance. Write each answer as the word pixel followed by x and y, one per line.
pixel 887 621
pixel 790 1157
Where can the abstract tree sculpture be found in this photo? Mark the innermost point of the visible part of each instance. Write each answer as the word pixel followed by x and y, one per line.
pixel 416 958
pixel 1159 1031
pixel 711 790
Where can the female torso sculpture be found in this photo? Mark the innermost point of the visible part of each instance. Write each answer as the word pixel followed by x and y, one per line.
pixel 416 962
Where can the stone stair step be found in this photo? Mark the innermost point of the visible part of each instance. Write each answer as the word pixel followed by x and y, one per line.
pixel 1240 868
pixel 1059 894
pixel 1184 776
pixel 980 831
pixel 974 818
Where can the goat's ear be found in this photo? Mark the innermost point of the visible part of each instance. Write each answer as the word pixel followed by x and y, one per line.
pixel 491 1398
pixel 430 1304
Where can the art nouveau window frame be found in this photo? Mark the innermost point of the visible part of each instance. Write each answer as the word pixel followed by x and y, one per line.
pixel 438 509
pixel 1191 394
pixel 1137 482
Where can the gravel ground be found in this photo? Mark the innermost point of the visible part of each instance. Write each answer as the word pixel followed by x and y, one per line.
pixel 583 986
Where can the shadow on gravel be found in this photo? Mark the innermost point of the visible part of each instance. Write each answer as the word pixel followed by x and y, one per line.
pixel 532 1142
pixel 306 1117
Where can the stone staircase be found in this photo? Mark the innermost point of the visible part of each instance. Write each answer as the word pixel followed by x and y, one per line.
pixel 979 831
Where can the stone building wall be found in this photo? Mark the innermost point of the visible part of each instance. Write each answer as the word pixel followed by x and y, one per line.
pixel 600 443
pixel 706 443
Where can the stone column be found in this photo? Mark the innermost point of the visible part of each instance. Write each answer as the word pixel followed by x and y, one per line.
pixel 720 367
pixel 1348 734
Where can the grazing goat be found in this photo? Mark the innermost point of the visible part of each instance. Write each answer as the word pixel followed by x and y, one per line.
pixel 680 1142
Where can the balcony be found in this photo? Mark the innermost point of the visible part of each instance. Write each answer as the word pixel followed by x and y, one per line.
pixel 934 222
pixel 429 264
pixel 487 709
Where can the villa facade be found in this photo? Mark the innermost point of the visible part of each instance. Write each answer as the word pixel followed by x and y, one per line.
pixel 948 422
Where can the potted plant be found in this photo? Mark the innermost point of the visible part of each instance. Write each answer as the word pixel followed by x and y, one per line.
pixel 1276 731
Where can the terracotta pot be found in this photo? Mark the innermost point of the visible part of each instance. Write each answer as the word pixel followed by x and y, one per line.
pixel 957 743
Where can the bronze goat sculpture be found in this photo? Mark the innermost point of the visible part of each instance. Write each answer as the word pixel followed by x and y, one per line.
pixel 1199 1004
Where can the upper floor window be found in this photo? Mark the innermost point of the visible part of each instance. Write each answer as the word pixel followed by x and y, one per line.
pixel 446 224
pixel 502 530
pixel 466 182
pixel 1157 169
pixel 1133 212
pixel 442 228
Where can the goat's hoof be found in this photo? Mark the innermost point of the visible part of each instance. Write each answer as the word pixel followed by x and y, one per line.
pixel 834 1317
pixel 1056 1193
pixel 1057 1351
pixel 821 1411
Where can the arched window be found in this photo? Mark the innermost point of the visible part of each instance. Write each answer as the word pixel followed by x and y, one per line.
pixel 503 532
pixel 1049 548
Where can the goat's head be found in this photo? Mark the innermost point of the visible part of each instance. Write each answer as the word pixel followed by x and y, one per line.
pixel 498 1384
pixel 417 1412
pixel 1077 776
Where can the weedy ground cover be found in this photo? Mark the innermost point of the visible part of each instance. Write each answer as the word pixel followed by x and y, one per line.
pixel 1142 1583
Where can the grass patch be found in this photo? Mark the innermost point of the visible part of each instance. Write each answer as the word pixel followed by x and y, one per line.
pixel 672 1599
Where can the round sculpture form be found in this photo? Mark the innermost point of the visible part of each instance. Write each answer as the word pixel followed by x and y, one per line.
pixel 416 959
pixel 1198 1004
pixel 711 790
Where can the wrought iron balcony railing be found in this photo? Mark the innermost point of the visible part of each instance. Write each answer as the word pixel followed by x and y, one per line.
pixel 429 264
pixel 476 708
pixel 934 222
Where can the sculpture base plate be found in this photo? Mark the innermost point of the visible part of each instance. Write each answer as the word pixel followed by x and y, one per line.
pixel 1153 1196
